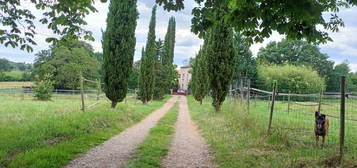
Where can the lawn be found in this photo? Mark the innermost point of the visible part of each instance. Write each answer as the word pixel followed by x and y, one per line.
pixel 50 134
pixel 239 138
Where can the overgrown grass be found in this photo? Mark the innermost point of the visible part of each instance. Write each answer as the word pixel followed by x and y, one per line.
pixel 150 153
pixel 240 139
pixel 50 134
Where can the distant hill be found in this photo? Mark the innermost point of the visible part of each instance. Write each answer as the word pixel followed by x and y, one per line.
pixel 14 71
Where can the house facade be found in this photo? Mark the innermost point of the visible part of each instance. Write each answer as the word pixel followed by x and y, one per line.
pixel 184 78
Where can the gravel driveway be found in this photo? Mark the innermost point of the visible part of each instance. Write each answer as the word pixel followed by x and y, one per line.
pixel 116 151
pixel 188 149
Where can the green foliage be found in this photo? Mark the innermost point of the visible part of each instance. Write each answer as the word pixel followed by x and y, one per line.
pixel 160 74
pixel 343 69
pixel 169 75
pixel 220 55
pixel 290 78
pixel 296 53
pixel 257 20
pixel 200 79
pixel 118 48
pixel 134 76
pixel 64 18
pixel 43 88
pixel 148 61
pixel 64 61
pixel 245 64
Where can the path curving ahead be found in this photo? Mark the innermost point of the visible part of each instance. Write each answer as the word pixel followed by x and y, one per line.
pixel 116 151
pixel 188 149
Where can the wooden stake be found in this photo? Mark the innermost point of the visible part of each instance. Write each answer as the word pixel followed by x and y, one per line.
pixel 342 116
pixel 82 90
pixel 248 95
pixel 289 102
pixel 272 107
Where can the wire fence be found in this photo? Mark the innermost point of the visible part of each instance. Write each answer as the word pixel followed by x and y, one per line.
pixel 292 116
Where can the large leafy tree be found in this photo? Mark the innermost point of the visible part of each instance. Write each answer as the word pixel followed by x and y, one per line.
pixel 147 73
pixel 339 70
pixel 63 17
pixel 257 20
pixel 118 48
pixel 220 55
pixel 296 52
pixel 200 79
pixel 64 62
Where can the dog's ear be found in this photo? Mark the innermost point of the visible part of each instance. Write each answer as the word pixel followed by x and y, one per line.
pixel 323 116
pixel 316 114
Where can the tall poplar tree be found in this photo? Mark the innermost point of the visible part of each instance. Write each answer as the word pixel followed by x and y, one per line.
pixel 147 76
pixel 220 59
pixel 200 79
pixel 118 48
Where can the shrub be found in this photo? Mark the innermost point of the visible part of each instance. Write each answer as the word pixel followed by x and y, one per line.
pixel 43 88
pixel 297 79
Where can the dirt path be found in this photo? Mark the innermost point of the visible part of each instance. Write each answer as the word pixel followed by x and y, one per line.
pixel 188 149
pixel 116 151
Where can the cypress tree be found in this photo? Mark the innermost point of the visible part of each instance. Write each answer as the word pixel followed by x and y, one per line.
pixel 168 56
pixel 220 60
pixel 160 74
pixel 148 64
pixel 200 79
pixel 118 48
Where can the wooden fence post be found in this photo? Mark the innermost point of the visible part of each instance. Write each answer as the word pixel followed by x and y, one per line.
pixel 241 91
pixel 320 101
pixel 289 102
pixel 342 116
pixel 98 89
pixel 248 95
pixel 272 107
pixel 82 90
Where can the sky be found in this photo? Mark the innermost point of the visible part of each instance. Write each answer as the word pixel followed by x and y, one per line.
pixel 342 49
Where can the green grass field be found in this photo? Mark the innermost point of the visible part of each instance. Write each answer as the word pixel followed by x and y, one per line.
pixel 150 153
pixel 50 134
pixel 239 139
pixel 15 74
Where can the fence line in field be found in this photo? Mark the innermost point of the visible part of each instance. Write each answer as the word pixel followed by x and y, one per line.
pixel 302 104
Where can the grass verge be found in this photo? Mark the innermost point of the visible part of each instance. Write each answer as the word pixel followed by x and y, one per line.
pixel 50 134
pixel 239 139
pixel 150 153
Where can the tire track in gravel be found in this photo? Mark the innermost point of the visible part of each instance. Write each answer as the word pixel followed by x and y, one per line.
pixel 116 151
pixel 188 149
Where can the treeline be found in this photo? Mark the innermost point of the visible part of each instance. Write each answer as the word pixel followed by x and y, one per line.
pixel 297 66
pixel 14 71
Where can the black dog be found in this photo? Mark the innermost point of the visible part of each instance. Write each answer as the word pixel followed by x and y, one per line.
pixel 321 127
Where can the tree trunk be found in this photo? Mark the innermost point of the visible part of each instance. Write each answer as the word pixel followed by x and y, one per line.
pixel 200 102
pixel 114 104
pixel 217 107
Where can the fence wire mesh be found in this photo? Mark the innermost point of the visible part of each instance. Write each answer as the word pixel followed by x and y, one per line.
pixel 294 117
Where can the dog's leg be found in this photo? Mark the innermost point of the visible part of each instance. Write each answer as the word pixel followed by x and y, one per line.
pixel 323 141
pixel 317 140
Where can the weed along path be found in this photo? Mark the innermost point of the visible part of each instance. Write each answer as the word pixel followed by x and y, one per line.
pixel 188 149
pixel 116 151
